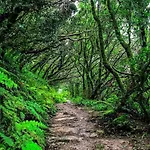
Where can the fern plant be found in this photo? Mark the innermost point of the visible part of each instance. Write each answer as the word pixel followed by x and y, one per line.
pixel 7 140
pixel 24 107
pixel 30 131
pixel 5 80
pixel 30 145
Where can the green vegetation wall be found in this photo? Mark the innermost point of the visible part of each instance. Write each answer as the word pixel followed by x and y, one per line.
pixel 25 103
pixel 28 36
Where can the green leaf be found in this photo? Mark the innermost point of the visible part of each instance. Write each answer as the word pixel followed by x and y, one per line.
pixel 9 141
pixel 30 145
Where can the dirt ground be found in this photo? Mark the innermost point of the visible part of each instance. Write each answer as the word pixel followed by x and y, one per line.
pixel 71 129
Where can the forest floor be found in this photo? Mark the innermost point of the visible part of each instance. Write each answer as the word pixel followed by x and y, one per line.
pixel 73 129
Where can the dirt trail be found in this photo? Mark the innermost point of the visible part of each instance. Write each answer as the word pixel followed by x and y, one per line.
pixel 72 130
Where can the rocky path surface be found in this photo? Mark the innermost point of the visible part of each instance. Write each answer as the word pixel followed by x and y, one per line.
pixel 72 129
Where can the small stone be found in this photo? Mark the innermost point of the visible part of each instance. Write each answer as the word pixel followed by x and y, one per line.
pixel 93 135
pixel 85 135
pixel 64 139
pixel 65 119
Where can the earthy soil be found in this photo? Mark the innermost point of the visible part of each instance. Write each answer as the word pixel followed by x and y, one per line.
pixel 72 129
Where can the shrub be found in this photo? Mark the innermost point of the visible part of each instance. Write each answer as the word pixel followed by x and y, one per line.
pixel 25 102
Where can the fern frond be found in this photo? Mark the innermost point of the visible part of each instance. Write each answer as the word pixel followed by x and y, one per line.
pixel 30 145
pixel 7 140
pixel 4 79
pixel 32 128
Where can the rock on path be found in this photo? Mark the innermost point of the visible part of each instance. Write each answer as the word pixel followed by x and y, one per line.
pixel 72 130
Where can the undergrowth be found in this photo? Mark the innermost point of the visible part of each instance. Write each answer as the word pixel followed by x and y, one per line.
pixel 107 116
pixel 96 105
pixel 26 101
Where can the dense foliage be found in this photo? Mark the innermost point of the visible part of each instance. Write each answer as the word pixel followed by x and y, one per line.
pixel 27 28
pixel 112 55
pixel 25 103
pixel 100 50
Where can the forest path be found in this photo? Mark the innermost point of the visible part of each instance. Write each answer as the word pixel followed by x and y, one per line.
pixel 72 129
